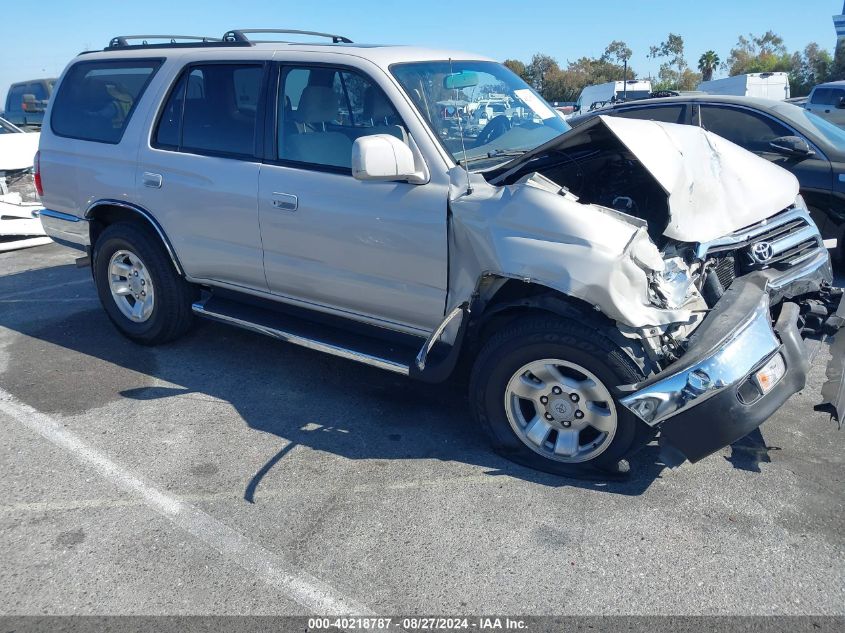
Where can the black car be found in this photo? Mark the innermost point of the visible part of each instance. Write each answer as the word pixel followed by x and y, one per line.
pixel 810 147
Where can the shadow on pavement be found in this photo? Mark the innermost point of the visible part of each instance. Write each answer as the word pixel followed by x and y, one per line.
pixel 307 398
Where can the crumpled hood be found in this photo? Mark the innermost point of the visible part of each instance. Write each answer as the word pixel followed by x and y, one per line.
pixel 17 151
pixel 714 187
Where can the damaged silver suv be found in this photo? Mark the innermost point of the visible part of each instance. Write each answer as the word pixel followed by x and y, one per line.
pixel 426 210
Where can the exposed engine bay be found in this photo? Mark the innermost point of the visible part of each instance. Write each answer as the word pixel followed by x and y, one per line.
pixel 599 166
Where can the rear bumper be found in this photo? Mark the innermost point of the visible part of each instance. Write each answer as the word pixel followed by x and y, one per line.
pixel 709 398
pixel 66 229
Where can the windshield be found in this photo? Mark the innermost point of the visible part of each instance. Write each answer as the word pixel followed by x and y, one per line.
pixel 831 133
pixel 497 113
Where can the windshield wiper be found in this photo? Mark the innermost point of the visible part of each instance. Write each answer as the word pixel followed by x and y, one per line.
pixel 504 153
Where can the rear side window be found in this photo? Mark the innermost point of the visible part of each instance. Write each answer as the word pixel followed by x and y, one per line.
pixel 96 99
pixel 212 109
pixel 666 114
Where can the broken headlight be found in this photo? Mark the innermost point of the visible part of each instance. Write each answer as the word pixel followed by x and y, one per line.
pixel 673 287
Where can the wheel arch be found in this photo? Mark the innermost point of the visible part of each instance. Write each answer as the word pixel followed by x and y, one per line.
pixel 103 213
pixel 501 299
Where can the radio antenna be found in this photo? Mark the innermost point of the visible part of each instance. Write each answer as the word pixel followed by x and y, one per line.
pixel 461 131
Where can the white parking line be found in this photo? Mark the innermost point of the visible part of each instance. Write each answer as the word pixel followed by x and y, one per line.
pixel 297 585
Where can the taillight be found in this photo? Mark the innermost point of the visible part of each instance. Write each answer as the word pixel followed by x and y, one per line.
pixel 37 166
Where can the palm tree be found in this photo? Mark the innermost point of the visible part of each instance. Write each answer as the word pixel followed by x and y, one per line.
pixel 707 64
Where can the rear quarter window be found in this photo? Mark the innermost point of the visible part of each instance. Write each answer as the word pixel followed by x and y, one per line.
pixel 96 99
pixel 667 114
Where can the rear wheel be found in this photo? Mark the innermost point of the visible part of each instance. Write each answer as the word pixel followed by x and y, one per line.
pixel 139 288
pixel 544 391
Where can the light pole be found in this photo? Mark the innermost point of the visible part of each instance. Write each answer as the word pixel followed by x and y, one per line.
pixel 625 79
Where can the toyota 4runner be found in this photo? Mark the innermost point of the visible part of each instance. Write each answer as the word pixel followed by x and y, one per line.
pixel 601 285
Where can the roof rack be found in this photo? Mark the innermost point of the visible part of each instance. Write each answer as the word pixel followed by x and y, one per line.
pixel 240 35
pixel 126 41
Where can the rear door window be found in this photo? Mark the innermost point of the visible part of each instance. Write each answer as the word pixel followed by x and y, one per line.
pixel 674 113
pixel 96 99
pixel 835 97
pixel 212 109
pixel 820 96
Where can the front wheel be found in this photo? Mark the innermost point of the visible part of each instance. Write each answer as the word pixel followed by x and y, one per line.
pixel 138 286
pixel 543 390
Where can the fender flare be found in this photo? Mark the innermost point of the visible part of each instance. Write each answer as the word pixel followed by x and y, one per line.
pixel 147 217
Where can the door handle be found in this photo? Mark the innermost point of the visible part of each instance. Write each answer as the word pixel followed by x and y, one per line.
pixel 285 201
pixel 151 180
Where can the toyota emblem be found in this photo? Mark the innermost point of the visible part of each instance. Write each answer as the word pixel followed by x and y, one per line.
pixel 761 252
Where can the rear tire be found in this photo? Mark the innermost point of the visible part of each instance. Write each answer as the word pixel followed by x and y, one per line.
pixel 138 286
pixel 544 392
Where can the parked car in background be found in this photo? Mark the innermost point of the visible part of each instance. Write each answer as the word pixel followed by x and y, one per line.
pixel 828 101
pixel 599 95
pixel 764 85
pixel 19 204
pixel 27 100
pixel 796 139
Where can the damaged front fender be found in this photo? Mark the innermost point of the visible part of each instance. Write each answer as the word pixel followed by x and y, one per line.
pixel 533 230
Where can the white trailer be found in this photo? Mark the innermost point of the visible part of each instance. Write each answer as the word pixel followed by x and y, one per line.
pixel 765 85
pixel 601 94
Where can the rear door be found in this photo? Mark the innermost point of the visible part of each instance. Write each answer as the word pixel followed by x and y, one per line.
pixel 373 249
pixel 198 170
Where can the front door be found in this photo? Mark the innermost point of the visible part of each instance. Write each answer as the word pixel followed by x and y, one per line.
pixel 372 249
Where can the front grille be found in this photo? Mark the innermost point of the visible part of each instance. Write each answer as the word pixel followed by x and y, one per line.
pixel 726 270
pixel 780 242
pixel 787 244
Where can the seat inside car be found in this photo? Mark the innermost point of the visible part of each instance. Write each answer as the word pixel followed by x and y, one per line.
pixel 312 141
pixel 379 113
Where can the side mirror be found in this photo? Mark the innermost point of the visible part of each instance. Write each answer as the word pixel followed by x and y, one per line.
pixel 384 157
pixel 791 146
pixel 841 103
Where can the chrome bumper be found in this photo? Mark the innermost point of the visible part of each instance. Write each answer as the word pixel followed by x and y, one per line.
pixel 66 229
pixel 747 347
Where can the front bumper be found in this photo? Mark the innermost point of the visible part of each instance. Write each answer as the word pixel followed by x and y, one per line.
pixel 709 398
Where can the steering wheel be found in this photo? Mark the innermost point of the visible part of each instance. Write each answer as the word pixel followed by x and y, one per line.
pixel 497 126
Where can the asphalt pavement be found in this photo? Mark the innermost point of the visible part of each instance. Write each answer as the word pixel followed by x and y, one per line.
pixel 228 473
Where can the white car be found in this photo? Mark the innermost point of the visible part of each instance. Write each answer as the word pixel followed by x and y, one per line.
pixel 20 226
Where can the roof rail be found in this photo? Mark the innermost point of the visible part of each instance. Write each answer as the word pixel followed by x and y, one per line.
pixel 125 41
pixel 240 35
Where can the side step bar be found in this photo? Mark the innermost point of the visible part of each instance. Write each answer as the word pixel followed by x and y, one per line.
pixel 322 338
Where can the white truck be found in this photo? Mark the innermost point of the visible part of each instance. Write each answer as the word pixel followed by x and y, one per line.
pixel 765 85
pixel 593 97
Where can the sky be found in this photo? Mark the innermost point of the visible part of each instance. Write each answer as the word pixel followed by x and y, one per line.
pixel 44 41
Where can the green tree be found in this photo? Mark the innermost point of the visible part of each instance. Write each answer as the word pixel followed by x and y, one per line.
pixel 620 52
pixel 707 63
pixel 672 50
pixel 517 67
pixel 758 54
pixel 541 67
pixel 812 66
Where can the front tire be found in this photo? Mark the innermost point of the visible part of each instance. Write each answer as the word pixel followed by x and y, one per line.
pixel 543 390
pixel 139 288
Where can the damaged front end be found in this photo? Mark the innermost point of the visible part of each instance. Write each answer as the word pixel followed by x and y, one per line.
pixel 720 281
